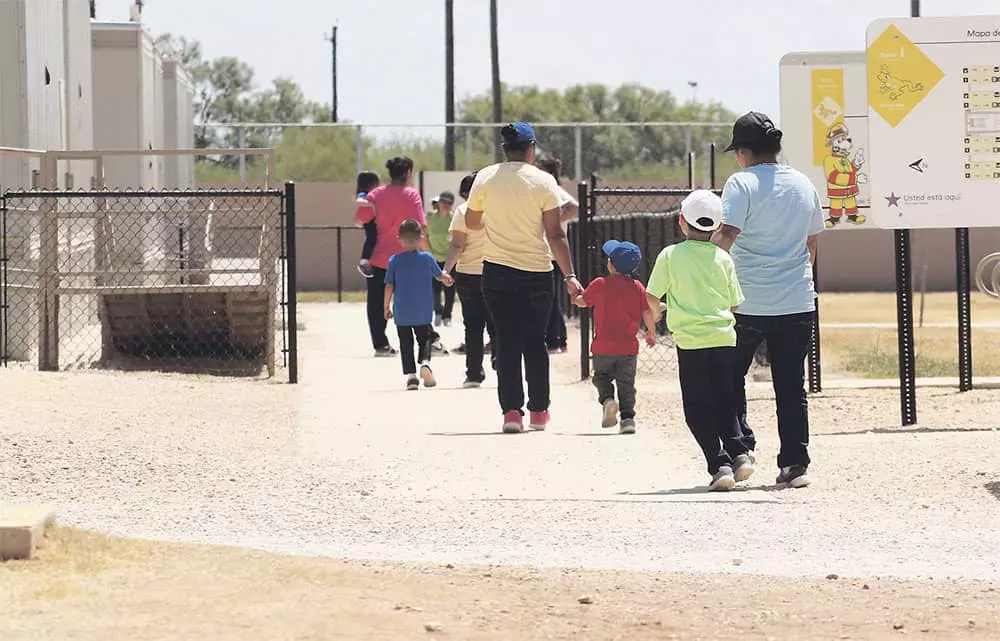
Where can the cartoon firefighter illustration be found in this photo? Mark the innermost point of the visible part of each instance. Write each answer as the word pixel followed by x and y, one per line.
pixel 843 175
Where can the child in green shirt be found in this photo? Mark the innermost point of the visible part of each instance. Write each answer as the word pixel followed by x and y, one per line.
pixel 439 242
pixel 699 282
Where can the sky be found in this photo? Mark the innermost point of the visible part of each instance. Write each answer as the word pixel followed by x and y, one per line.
pixel 391 59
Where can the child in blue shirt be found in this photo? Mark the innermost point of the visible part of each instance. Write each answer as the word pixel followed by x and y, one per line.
pixel 409 299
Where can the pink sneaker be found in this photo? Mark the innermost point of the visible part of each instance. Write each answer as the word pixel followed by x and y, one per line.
pixel 513 422
pixel 539 420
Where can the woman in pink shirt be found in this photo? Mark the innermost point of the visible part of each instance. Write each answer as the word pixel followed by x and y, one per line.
pixel 394 203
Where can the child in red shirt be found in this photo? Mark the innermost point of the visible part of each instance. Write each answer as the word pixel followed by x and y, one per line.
pixel 619 303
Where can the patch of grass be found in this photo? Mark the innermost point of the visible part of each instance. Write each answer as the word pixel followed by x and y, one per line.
pixel 874 353
pixel 330 297
pixel 939 307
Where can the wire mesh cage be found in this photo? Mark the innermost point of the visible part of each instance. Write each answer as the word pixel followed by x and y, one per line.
pixel 175 280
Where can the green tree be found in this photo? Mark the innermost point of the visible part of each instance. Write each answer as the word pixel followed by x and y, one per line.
pixel 225 92
pixel 606 150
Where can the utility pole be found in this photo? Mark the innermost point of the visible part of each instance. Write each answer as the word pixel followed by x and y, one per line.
pixel 449 84
pixel 333 71
pixel 495 65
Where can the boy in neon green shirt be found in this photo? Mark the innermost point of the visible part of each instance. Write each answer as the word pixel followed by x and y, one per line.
pixel 439 242
pixel 699 282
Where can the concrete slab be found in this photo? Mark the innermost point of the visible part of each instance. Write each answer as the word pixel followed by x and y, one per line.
pixel 22 528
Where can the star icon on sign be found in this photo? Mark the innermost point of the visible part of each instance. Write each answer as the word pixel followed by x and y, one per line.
pixel 893 199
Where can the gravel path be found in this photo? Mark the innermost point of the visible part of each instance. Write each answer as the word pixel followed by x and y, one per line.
pixel 347 464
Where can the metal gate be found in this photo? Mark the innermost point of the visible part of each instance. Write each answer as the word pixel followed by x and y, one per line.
pixel 200 281
pixel 648 218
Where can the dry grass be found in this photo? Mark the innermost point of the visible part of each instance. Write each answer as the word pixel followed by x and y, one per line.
pixel 93 588
pixel 873 353
pixel 881 308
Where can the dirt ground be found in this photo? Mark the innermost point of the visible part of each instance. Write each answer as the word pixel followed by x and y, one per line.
pixel 89 587
pixel 346 465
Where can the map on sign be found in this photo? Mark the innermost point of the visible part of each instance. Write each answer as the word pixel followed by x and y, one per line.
pixel 934 121
pixel 824 116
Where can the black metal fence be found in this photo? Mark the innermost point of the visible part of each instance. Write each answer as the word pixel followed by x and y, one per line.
pixel 192 281
pixel 648 218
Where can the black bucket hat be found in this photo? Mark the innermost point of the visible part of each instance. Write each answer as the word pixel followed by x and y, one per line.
pixel 751 128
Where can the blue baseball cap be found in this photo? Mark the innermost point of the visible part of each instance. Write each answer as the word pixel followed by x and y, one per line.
pixel 518 132
pixel 625 256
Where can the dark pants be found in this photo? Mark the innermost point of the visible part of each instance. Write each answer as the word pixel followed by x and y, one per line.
pixel 555 335
pixel 788 338
pixel 476 319
pixel 443 309
pixel 609 370
pixel 706 377
pixel 371 235
pixel 519 303
pixel 376 308
pixel 406 335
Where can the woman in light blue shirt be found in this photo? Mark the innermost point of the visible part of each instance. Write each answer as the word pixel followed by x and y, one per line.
pixel 772 215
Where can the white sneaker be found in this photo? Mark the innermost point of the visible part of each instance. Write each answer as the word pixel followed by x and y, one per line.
pixel 610 417
pixel 412 382
pixel 427 376
pixel 723 480
pixel 742 468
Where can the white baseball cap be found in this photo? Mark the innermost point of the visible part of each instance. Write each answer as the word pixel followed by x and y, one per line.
pixel 702 210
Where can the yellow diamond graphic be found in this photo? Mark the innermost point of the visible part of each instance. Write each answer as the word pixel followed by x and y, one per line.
pixel 828 111
pixel 899 75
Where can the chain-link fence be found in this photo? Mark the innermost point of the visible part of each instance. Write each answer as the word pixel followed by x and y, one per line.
pixel 192 281
pixel 630 151
pixel 646 217
pixel 650 219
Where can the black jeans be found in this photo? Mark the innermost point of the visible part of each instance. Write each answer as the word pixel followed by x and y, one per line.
pixel 706 377
pixel 371 235
pixel 376 308
pixel 519 303
pixel 476 318
pixel 555 335
pixel 788 338
pixel 443 309
pixel 406 335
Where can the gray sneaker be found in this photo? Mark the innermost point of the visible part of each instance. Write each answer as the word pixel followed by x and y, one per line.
pixel 627 426
pixel 794 476
pixel 412 382
pixel 723 480
pixel 742 468
pixel 385 352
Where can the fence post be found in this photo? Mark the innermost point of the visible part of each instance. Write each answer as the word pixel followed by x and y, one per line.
pixel 963 288
pixel 691 170
pixel 904 328
pixel 583 270
pixel 711 166
pixel 48 346
pixel 468 149
pixel 241 134
pixel 815 360
pixel 359 144
pixel 340 265
pixel 578 153
pixel 292 285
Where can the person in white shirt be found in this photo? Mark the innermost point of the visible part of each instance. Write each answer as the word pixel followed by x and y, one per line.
pixel 555 335
pixel 465 257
